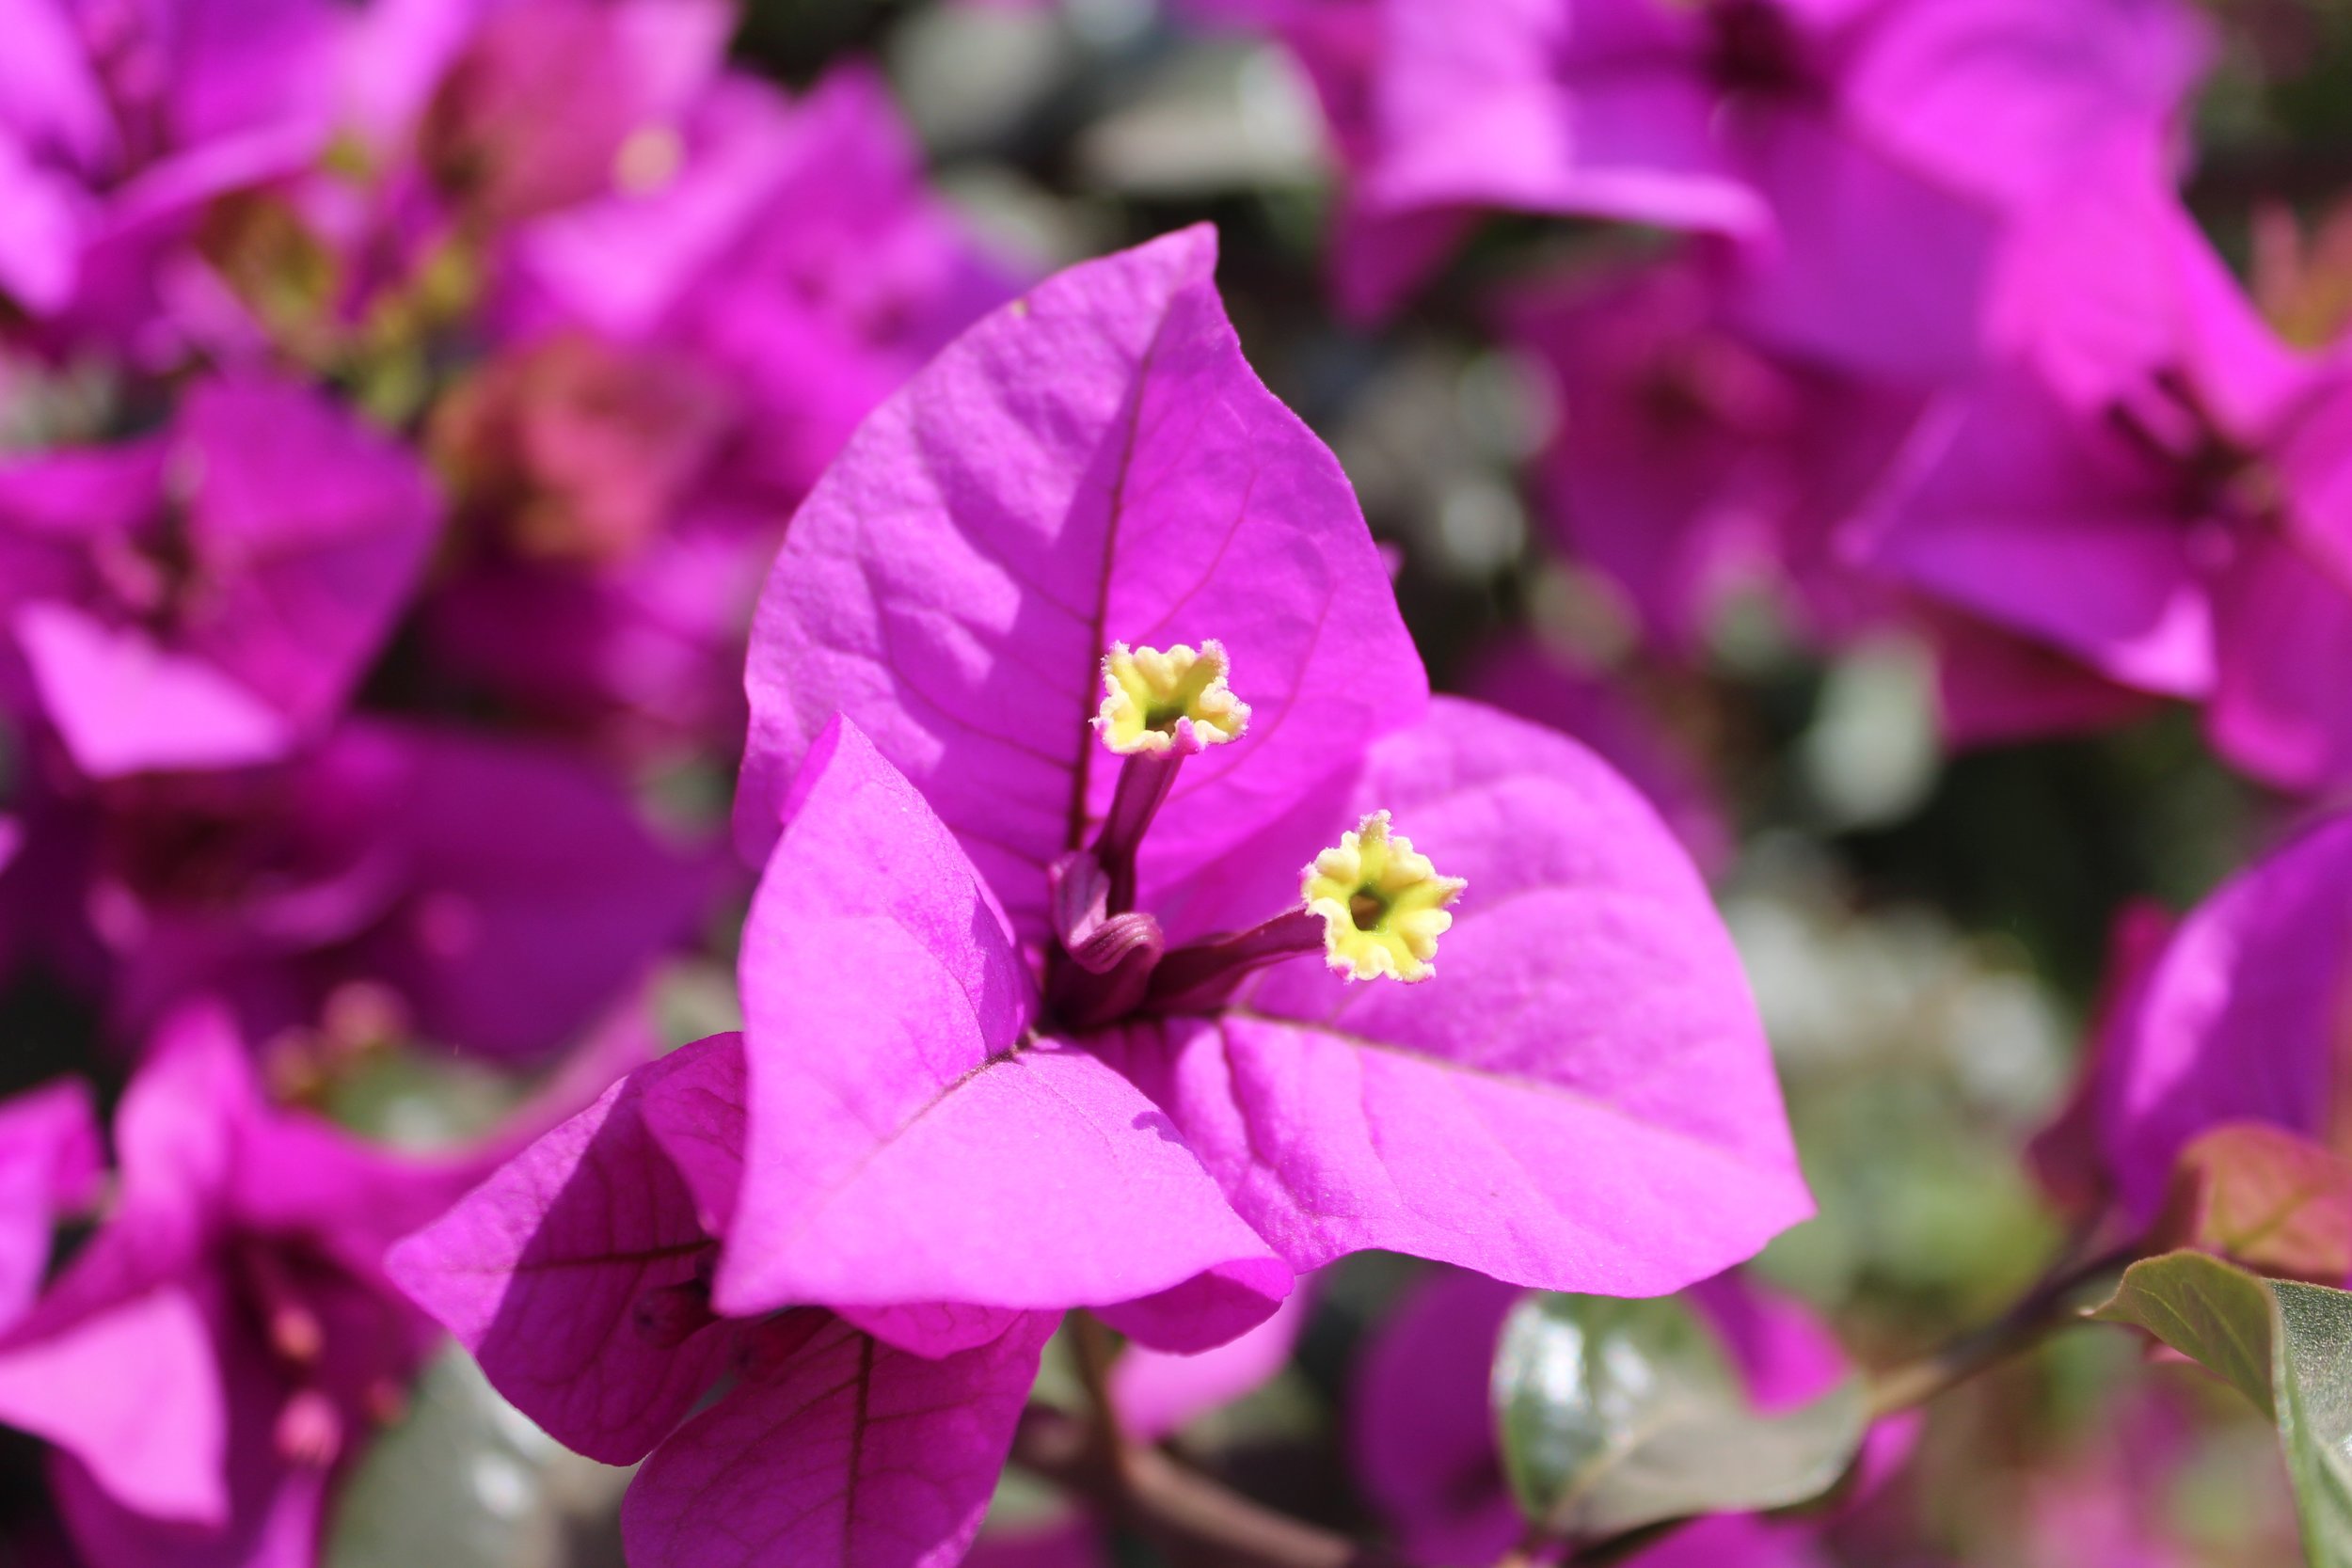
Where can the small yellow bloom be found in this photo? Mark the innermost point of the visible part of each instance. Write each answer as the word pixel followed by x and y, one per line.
pixel 1175 700
pixel 1383 906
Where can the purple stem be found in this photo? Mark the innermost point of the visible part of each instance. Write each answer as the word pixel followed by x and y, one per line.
pixel 1202 973
pixel 1143 784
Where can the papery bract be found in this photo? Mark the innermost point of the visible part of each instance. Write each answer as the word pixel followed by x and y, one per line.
pixel 539 1272
pixel 1116 470
pixel 1691 460
pixel 537 109
pixel 628 459
pixel 1095 464
pixel 115 133
pixel 796 253
pixel 2241 1016
pixel 1996 687
pixel 578 1273
pixel 948 1157
pixel 1804 127
pixel 1533 681
pixel 1155 1392
pixel 1515 1085
pixel 857 1452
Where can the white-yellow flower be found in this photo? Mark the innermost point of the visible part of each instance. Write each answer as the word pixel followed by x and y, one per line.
pixel 1383 906
pixel 1177 701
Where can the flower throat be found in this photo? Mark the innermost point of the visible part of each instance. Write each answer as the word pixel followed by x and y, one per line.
pixel 1371 905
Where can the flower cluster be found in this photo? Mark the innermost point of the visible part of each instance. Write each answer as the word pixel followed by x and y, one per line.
pixel 435 364
pixel 1040 1010
pixel 398 406
pixel 1940 343
pixel 1937 345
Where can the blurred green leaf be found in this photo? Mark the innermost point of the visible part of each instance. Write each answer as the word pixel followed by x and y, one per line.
pixel 462 1480
pixel 1620 1414
pixel 2286 1346
pixel 420 1098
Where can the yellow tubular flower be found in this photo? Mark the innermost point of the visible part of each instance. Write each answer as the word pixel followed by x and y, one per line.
pixel 1383 906
pixel 1177 701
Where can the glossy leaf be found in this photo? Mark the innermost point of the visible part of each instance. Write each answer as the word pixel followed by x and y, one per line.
pixel 2286 1346
pixel 1619 1414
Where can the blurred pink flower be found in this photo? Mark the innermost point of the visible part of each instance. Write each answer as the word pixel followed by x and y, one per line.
pixel 1691 459
pixel 681 361
pixel 121 122
pixel 207 598
pixel 220 1348
pixel 2239 1015
pixel 504 894
pixel 1809 127
pixel 2148 482
pixel 50 1166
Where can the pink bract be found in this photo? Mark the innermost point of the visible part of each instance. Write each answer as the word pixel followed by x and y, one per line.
pixel 1581 1098
pixel 504 894
pixel 1693 460
pixel 50 1165
pixel 2239 1017
pixel 579 1273
pixel 941 1160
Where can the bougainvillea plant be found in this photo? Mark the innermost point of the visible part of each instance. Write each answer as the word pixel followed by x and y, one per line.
pixel 1282 782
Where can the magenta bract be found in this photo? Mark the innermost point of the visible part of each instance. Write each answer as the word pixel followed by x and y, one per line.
pixel 503 894
pixel 581 1275
pixel 1581 1098
pixel 2239 1017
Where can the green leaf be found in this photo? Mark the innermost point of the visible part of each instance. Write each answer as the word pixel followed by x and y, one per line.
pixel 2287 1347
pixel 462 1480
pixel 2315 1378
pixel 2216 1315
pixel 1619 1414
